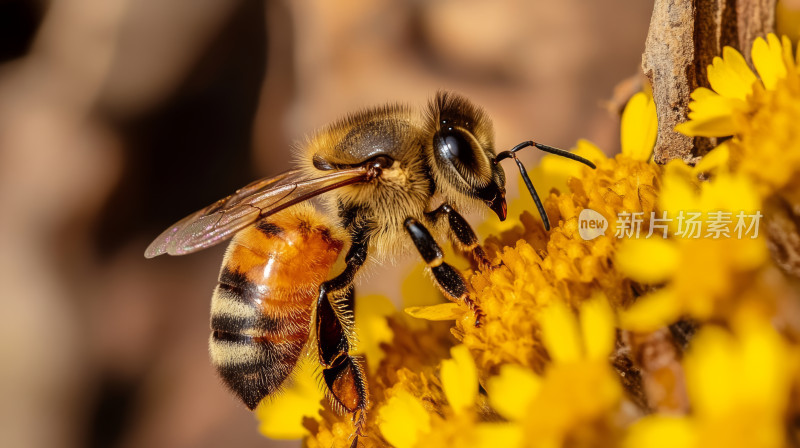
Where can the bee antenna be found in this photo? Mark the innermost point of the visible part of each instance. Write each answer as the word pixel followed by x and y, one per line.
pixel 562 153
pixel 559 152
pixel 511 153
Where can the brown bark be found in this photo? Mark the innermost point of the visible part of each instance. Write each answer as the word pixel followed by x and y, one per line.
pixel 756 18
pixel 656 361
pixel 684 38
pixel 782 225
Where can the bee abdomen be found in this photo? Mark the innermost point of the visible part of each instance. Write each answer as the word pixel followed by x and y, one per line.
pixel 253 348
pixel 252 367
pixel 232 311
pixel 261 308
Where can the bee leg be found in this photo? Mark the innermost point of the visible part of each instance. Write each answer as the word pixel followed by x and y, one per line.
pixel 343 373
pixel 449 280
pixel 463 234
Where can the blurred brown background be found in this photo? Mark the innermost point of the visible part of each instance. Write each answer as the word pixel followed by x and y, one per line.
pixel 118 117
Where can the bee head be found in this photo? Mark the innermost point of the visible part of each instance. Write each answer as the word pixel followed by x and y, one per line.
pixel 463 152
pixel 464 159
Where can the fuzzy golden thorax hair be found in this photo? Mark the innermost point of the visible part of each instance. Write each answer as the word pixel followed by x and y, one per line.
pixel 426 172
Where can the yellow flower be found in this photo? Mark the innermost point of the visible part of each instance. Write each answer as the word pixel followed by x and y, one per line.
pixel 281 416
pixel 372 328
pixel 767 149
pixel 761 113
pixel 460 379
pixel 639 127
pixel 553 172
pixel 575 400
pixel 557 266
pixel 402 419
pixel 458 424
pixel 513 390
pixel 718 112
pixel 577 394
pixel 570 340
pixel 705 272
pixel 739 385
pixel 425 410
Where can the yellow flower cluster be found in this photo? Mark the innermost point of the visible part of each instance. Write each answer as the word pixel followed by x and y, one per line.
pixel 559 266
pixel 739 384
pixel 703 276
pixel 740 372
pixel 568 353
pixel 760 113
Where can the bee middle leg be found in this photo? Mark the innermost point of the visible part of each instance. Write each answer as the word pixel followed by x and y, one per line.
pixel 342 372
pixel 463 234
pixel 449 280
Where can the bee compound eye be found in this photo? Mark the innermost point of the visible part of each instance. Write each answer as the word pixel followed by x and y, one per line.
pixel 455 146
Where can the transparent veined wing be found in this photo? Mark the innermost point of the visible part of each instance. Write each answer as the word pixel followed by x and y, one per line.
pixel 220 220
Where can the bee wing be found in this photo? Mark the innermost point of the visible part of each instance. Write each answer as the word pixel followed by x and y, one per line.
pixel 220 220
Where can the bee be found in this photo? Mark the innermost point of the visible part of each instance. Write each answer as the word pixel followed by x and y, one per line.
pixel 393 181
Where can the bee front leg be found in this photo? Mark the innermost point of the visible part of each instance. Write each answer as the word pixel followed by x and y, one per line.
pixel 463 234
pixel 343 373
pixel 449 280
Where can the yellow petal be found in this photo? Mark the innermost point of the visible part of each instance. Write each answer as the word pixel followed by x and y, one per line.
pixel 787 52
pixel 492 435
pixel 512 391
pixel 679 191
pixel 560 333
pixel 402 419
pixel 730 76
pixel 281 415
pixel 639 127
pixel 706 103
pixel 372 328
pixel 767 364
pixel 717 158
pixel 652 311
pixel 460 378
pixel 598 327
pixel 768 60
pixel 658 431
pixel 708 372
pixel 711 115
pixel 651 260
pixel 713 127
pixel 588 150
pixel 442 311
pixel 728 192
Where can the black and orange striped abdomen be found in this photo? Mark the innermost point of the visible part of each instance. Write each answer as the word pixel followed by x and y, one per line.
pixel 261 309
